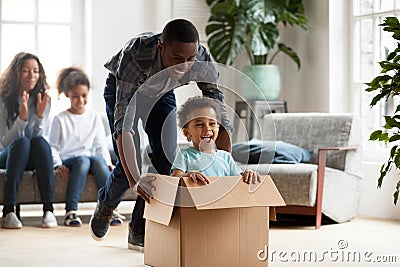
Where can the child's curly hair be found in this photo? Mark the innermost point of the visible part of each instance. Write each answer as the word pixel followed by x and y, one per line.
pixel 70 77
pixel 197 102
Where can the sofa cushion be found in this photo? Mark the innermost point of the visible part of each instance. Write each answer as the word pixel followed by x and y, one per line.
pixel 295 182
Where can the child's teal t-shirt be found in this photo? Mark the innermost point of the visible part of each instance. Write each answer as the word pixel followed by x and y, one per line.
pixel 220 163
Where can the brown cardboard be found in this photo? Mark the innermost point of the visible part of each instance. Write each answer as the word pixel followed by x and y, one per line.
pixel 231 230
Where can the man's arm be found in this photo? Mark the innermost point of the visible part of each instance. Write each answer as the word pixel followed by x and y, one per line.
pixel 223 141
pixel 207 78
pixel 127 153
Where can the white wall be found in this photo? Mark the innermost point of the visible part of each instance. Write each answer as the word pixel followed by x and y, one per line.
pixel 313 77
pixel 112 24
pixel 376 202
pixel 321 85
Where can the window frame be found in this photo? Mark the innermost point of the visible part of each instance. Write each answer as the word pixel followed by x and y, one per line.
pixel 371 118
pixel 78 46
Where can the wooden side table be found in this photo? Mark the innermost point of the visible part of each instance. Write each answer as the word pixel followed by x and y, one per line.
pixel 251 111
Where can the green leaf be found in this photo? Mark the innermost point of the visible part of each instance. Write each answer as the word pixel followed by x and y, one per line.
pixel 387 66
pixel 391 56
pixel 396 193
pixel 291 53
pixel 225 37
pixel 264 38
pixel 394 138
pixel 390 21
pixel 391 122
pixel 375 135
pixel 377 82
pixel 387 127
pixel 385 168
pixel 378 97
pixel 384 137
pixel 393 151
pixel 396 161
pixel 396 58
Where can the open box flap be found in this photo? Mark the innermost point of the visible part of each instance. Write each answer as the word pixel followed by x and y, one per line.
pixel 222 192
pixel 231 192
pixel 161 206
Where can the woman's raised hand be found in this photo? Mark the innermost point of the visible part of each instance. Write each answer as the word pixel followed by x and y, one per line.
pixel 23 109
pixel 41 104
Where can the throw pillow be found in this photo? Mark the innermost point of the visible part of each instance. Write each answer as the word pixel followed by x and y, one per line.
pixel 259 151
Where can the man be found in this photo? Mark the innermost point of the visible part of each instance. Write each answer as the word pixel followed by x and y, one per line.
pixel 133 84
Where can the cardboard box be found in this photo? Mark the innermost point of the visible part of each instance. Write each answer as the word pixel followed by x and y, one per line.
pixel 225 223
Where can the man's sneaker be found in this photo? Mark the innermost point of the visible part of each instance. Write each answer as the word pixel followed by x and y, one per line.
pixel 100 222
pixel 117 219
pixel 49 220
pixel 11 221
pixel 135 241
pixel 71 219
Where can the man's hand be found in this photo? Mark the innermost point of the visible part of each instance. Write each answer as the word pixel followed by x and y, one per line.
pixel 144 187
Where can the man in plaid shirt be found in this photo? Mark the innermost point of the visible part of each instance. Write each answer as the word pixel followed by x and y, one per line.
pixel 140 85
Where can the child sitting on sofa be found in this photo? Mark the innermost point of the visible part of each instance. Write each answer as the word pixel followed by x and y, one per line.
pixel 198 117
pixel 78 143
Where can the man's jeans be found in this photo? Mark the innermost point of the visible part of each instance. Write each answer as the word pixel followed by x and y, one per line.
pixel 159 119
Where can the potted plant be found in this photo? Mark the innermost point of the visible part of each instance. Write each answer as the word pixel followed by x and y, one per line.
pixel 388 86
pixel 253 26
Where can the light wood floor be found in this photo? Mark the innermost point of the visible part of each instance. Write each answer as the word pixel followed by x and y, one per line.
pixel 361 242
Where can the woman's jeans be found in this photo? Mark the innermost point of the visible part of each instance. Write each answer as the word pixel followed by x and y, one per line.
pixel 26 155
pixel 79 168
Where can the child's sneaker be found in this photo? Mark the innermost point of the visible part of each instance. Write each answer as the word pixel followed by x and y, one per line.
pixel 71 219
pixel 117 218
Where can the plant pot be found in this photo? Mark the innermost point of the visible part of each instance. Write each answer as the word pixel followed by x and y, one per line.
pixel 267 81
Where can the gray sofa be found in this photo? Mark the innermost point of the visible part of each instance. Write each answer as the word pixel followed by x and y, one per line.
pixel 330 183
pixel 28 192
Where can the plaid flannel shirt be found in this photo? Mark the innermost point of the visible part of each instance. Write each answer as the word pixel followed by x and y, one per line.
pixel 140 60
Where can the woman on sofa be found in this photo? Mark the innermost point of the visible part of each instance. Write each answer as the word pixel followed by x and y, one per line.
pixel 78 143
pixel 24 109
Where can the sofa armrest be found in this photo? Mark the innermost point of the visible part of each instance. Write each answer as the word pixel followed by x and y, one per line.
pixel 322 153
pixel 337 148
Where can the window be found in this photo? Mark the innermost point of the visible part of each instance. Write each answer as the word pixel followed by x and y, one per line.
pixel 50 29
pixel 370 45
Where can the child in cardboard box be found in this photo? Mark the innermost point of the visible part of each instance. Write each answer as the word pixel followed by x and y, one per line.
pixel 198 117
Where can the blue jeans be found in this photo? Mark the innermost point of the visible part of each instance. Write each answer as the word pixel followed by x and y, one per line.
pixel 160 126
pixel 26 155
pixel 79 167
